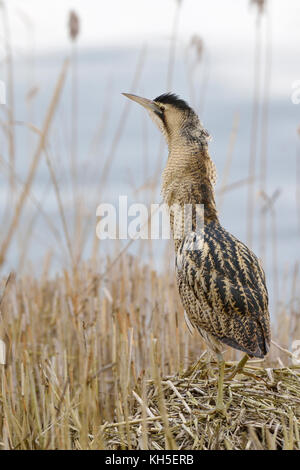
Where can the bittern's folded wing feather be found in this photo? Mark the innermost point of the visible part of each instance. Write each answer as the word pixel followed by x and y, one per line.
pixel 227 283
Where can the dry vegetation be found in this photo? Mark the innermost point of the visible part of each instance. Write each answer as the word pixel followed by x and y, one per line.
pixel 99 357
pixel 86 352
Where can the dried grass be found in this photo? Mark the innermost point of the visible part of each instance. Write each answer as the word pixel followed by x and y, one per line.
pixel 104 361
pixel 264 412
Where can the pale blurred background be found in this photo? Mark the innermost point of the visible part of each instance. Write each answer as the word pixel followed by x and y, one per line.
pixel 234 62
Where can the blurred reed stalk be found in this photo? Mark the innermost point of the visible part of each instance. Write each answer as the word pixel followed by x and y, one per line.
pixel 254 124
pixel 264 129
pixel 269 207
pixel 100 131
pixel 204 83
pixel 60 207
pixel 201 60
pixel 295 304
pixel 74 27
pixel 107 164
pixel 32 88
pixel 25 236
pixel 228 161
pixel 37 204
pixel 12 226
pixel 9 84
pixel 194 47
pixel 172 51
pixel 298 181
pixel 169 85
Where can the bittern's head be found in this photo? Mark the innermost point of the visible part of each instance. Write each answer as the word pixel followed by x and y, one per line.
pixel 175 118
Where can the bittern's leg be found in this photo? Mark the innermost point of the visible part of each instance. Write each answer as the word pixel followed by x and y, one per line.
pixel 220 405
pixel 238 368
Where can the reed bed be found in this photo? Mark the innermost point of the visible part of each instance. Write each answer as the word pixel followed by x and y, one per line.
pixel 86 351
pixel 99 357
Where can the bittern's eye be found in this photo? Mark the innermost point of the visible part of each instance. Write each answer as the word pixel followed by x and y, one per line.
pixel 160 111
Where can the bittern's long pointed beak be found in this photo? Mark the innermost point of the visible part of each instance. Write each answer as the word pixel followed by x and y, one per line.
pixel 148 104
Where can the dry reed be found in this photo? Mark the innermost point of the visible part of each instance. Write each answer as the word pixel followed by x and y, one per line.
pixel 83 347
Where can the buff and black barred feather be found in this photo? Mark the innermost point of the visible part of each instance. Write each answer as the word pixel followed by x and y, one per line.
pixel 222 287
pixel 221 284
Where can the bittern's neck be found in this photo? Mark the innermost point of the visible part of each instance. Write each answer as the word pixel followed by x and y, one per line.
pixel 189 178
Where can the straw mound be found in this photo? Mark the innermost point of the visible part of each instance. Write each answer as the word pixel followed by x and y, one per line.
pixel 264 412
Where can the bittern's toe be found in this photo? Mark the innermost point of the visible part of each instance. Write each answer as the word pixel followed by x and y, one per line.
pixel 220 409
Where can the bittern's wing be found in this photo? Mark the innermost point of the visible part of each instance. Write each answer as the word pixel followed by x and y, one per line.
pixel 227 283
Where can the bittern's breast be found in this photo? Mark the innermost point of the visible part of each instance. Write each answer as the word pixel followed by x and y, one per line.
pixel 223 290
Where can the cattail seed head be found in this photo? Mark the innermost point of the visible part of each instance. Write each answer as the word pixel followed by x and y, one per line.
pixel 73 25
pixel 261 4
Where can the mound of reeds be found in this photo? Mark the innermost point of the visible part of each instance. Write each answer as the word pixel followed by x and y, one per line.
pixel 263 412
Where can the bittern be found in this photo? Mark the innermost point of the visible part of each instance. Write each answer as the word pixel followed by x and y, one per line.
pixel 220 281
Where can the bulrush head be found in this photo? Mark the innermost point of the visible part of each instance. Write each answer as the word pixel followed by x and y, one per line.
pixel 190 174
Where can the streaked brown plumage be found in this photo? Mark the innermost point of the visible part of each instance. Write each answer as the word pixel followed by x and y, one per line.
pixel 221 283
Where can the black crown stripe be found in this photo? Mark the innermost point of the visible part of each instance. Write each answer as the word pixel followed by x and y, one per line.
pixel 171 98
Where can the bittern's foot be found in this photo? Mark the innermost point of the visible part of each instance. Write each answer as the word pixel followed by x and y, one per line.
pixel 220 409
